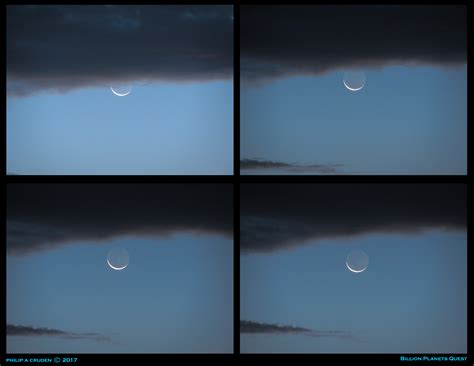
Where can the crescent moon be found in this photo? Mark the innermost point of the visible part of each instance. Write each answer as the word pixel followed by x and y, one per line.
pixel 352 89
pixel 119 94
pixel 113 267
pixel 353 270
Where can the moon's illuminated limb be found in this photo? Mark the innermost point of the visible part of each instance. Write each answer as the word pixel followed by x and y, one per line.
pixel 118 258
pixel 353 270
pixel 352 89
pixel 357 261
pixel 120 94
pixel 116 268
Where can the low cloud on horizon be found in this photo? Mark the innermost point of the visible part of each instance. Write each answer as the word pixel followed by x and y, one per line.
pixel 254 164
pixel 251 327
pixel 19 330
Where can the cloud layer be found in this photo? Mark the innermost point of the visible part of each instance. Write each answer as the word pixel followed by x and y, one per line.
pixel 280 216
pixel 43 216
pixel 278 41
pixel 247 326
pixel 251 327
pixel 66 47
pixel 251 164
pixel 19 330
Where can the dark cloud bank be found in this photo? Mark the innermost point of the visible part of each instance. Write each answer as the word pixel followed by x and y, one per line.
pixel 19 330
pixel 253 164
pixel 278 41
pixel 42 216
pixel 280 216
pixel 66 47
pixel 251 327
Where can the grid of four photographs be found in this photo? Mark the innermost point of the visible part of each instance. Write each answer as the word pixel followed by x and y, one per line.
pixel 221 181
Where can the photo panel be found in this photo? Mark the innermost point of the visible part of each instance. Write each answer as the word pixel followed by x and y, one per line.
pixel 119 90
pixel 119 268
pixel 353 90
pixel 353 269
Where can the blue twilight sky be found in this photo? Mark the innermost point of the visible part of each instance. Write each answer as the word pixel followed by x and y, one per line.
pixel 411 299
pixel 406 120
pixel 164 128
pixel 175 296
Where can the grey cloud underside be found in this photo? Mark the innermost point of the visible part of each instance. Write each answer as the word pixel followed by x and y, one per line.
pixel 251 327
pixel 275 217
pixel 282 41
pixel 45 216
pixel 250 164
pixel 66 47
pixel 19 330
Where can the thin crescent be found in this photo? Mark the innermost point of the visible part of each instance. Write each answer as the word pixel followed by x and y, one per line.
pixel 119 94
pixel 116 268
pixel 352 89
pixel 353 270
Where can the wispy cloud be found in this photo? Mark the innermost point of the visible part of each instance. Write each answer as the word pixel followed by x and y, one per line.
pixel 251 327
pixel 253 164
pixel 19 330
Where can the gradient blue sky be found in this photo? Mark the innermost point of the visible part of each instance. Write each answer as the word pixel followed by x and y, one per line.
pixel 163 128
pixel 411 299
pixel 175 296
pixel 406 120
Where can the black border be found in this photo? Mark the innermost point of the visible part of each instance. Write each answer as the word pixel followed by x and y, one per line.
pixel 236 179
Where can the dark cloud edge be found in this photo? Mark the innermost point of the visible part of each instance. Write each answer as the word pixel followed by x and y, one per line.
pixel 15 250
pixel 272 72
pixel 19 88
pixel 248 248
